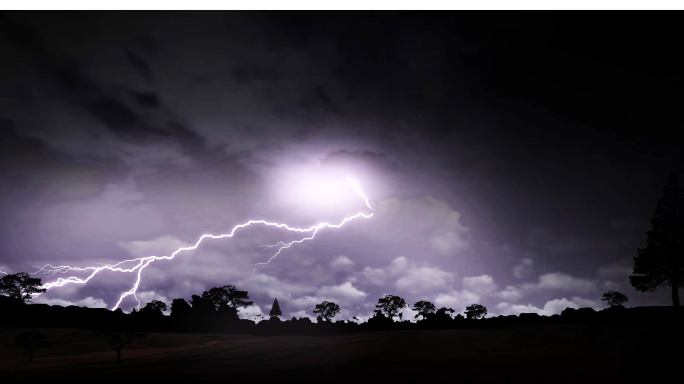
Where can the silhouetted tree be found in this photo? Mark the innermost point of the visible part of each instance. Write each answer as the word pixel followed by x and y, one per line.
pixel 614 298
pixel 444 313
pixel 30 341
pixel 225 297
pixel 202 306
pixel 275 309
pixel 326 310
pixel 475 311
pixel 390 305
pixel 155 306
pixel 424 308
pixel 20 286
pixel 662 261
pixel 180 308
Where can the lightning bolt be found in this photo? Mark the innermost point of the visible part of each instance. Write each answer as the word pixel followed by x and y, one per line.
pixel 137 265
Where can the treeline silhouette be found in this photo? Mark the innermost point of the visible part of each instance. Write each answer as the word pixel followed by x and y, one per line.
pixel 216 310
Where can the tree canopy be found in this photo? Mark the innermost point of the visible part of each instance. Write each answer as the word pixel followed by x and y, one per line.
pixel 155 306
pixel 614 298
pixel 180 307
pixel 475 311
pixel 390 305
pixel 20 286
pixel 227 296
pixel 326 310
pixel 424 308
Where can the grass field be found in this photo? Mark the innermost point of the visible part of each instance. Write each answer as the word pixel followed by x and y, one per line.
pixel 521 354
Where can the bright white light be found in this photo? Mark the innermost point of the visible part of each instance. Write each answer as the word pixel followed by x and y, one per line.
pixel 322 191
pixel 319 190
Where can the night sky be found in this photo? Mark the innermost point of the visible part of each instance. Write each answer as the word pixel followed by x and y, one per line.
pixel 513 159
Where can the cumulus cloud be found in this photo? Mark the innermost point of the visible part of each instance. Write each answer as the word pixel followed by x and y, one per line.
pixel 147 296
pixel 424 279
pixel 251 312
pixel 505 308
pixel 551 307
pixel 475 290
pixel 89 301
pixel 271 286
pixel 345 292
pixel 523 269
pixel 409 277
pixel 425 221
pixel 159 246
pixel 341 262
pixel 482 285
pixel 456 299
pixel 449 242
pixel 510 293
pixel 303 314
pixel 380 276
pixel 556 306
pixel 560 281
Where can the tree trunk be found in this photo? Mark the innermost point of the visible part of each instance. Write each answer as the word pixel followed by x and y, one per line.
pixel 118 356
pixel 30 355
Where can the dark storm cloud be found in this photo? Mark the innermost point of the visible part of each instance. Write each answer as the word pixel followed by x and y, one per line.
pixel 93 97
pixel 504 152
pixel 140 66
pixel 147 99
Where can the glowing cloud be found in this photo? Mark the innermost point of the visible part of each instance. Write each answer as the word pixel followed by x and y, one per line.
pixel 82 275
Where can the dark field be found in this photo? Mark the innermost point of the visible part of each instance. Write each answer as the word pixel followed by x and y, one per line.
pixel 519 354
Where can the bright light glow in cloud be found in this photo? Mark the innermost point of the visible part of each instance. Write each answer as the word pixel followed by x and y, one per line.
pixel 319 190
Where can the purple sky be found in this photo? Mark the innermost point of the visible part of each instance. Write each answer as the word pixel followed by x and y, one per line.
pixel 507 157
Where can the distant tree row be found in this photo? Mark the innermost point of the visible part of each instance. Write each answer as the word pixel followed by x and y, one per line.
pixel 391 306
pixel 226 300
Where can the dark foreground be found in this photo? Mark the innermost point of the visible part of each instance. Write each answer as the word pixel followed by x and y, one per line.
pixel 557 353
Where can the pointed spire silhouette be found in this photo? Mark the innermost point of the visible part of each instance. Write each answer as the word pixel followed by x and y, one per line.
pixel 275 309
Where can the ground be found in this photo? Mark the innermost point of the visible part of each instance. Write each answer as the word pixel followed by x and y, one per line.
pixel 518 354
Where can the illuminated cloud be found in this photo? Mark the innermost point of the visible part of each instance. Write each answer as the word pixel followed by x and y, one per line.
pixel 341 262
pixel 457 300
pixel 89 301
pixel 482 285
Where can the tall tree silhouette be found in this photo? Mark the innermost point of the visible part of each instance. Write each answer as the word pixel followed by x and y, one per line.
pixel 275 309
pixel 475 311
pixel 155 306
pixel 661 262
pixel 424 309
pixel 20 286
pixel 390 305
pixel 227 296
pixel 326 310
